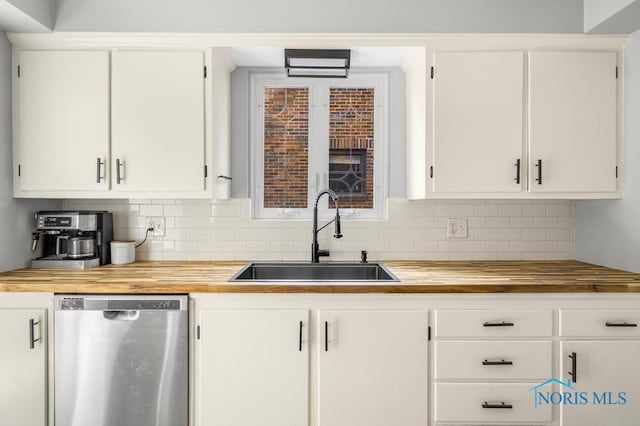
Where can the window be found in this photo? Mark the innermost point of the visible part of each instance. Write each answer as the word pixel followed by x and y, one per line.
pixel 311 134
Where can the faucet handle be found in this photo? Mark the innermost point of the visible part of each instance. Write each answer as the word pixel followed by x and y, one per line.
pixel 363 256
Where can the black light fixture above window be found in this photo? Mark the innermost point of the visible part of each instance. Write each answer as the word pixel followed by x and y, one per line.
pixel 325 63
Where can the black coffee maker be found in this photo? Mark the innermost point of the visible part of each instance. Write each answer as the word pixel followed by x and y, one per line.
pixel 72 239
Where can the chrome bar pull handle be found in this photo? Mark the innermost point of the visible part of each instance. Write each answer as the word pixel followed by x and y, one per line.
pixel 574 367
pixel 32 339
pixel 501 362
pixel 502 405
pixel 119 177
pixel 99 165
pixel 326 336
pixel 517 178
pixel 539 178
pixel 300 337
pixel 498 324
pixel 620 324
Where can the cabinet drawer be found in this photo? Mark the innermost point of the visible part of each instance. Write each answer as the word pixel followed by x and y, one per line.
pixel 472 402
pixel 605 323
pixel 493 360
pixel 493 323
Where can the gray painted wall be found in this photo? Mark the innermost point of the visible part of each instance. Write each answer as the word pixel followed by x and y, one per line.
pixel 40 10
pixel 16 216
pixel 240 129
pixel 608 231
pixel 611 16
pixel 282 16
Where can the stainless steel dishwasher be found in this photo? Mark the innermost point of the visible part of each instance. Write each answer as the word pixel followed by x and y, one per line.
pixel 121 360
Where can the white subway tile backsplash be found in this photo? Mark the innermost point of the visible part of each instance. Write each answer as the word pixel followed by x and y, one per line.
pixel 545 222
pixel 497 222
pixel 521 221
pixel 151 210
pixel 215 229
pixel 485 210
pixel 509 210
pixel 510 234
pixel 534 209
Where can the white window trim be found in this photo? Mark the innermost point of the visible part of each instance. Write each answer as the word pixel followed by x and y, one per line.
pixel 319 152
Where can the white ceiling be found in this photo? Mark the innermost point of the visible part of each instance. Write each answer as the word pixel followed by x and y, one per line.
pixel 361 56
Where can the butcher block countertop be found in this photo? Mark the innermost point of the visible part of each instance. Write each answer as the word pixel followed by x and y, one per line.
pixel 415 277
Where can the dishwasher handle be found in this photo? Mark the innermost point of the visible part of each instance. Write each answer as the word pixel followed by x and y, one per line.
pixel 121 315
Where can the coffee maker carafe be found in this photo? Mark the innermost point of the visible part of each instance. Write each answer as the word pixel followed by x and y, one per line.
pixel 72 239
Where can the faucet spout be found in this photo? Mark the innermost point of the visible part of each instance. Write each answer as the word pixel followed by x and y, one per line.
pixel 315 247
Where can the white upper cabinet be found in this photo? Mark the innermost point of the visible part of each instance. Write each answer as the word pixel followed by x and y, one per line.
pixel 92 120
pixel 572 121
pixel 478 122
pixel 158 121
pixel 515 122
pixel 62 121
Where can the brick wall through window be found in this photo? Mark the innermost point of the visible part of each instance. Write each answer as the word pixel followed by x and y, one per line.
pixel 286 146
pixel 351 126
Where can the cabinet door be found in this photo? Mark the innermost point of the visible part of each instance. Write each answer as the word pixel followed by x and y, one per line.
pixel 605 368
pixel 63 120
pixel 253 367
pixel 23 368
pixel 158 126
pixel 572 121
pixel 372 368
pixel 478 121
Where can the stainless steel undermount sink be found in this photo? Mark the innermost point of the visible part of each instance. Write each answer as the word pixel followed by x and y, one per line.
pixel 314 272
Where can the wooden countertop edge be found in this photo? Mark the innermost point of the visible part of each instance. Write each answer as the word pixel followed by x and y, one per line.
pixel 322 288
pixel 176 277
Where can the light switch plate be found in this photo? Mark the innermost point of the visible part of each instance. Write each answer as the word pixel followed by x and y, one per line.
pixel 457 228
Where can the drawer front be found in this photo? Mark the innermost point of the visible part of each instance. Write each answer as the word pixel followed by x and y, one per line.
pixel 472 402
pixel 493 323
pixel 493 360
pixel 599 323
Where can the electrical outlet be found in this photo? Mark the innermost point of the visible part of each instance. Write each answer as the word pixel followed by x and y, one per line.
pixel 457 228
pixel 157 223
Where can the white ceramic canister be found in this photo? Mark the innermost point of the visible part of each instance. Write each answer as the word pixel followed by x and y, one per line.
pixel 123 252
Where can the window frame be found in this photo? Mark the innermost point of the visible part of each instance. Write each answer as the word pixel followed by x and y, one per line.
pixel 319 145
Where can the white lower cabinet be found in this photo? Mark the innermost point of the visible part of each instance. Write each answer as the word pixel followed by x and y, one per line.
pixel 253 367
pixel 23 362
pixel 497 403
pixel 486 361
pixel 606 383
pixel 372 368
pixel 599 353
pixel 416 360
